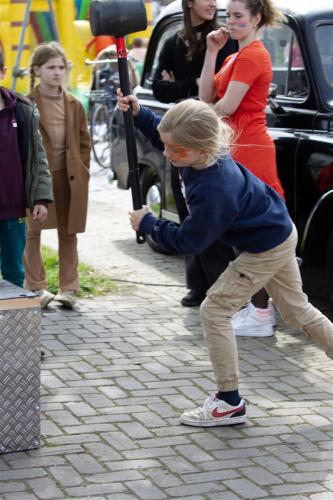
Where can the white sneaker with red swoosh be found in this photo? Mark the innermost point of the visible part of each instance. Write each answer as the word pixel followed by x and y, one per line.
pixel 215 412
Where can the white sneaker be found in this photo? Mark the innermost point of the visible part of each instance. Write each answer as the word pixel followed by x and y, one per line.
pixel 254 322
pixel 66 298
pixel 270 307
pixel 45 297
pixel 273 312
pixel 215 412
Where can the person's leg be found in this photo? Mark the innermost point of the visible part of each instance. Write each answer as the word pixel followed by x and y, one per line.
pixel 196 282
pixel 230 292
pixel 286 290
pixel 260 299
pixel 35 272
pixel 12 243
pixel 68 254
pixel 194 274
pixel 215 260
pixel 243 277
pixel 204 269
pixel 223 299
pixel 68 269
pixel 68 261
pixel 35 278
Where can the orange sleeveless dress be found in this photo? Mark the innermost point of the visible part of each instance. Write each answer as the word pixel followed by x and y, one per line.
pixel 254 147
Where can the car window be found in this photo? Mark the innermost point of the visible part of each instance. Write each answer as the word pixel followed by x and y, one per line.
pixel 289 74
pixel 324 37
pixel 168 32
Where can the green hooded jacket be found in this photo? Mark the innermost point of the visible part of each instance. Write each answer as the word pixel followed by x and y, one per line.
pixel 38 184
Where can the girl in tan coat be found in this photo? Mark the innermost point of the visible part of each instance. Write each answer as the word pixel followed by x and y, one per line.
pixel 66 139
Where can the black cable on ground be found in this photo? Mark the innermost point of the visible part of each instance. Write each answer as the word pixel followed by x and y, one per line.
pixel 147 284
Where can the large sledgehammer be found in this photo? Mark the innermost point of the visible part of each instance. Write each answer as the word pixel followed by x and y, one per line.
pixel 119 18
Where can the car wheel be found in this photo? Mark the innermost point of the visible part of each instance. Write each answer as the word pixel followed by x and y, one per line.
pixel 152 197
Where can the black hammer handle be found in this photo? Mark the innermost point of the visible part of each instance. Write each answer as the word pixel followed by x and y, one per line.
pixel 134 172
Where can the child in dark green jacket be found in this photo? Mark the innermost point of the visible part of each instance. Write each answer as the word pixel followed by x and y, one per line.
pixel 25 179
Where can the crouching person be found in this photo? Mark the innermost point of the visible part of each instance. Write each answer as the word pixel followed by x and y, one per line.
pixel 228 203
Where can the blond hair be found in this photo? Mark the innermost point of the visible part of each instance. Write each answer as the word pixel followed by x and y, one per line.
pixel 42 54
pixel 195 125
pixel 270 15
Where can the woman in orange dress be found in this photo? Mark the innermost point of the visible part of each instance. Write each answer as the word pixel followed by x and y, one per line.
pixel 240 91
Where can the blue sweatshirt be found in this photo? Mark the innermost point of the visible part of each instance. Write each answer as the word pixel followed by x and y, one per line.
pixel 226 202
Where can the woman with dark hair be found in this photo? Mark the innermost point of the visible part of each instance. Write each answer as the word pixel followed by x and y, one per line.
pixel 182 56
pixel 177 77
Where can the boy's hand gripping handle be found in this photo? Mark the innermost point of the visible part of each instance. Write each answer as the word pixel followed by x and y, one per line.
pixel 134 172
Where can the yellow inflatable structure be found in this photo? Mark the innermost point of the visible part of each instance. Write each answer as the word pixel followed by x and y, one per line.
pixel 38 29
pixel 63 20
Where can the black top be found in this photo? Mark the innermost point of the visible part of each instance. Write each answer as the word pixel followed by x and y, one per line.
pixel 173 58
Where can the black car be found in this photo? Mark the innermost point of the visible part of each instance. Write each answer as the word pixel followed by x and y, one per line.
pixel 299 116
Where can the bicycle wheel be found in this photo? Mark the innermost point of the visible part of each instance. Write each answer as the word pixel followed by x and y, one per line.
pixel 101 135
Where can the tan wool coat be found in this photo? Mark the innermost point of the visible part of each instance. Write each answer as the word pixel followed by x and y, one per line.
pixel 77 164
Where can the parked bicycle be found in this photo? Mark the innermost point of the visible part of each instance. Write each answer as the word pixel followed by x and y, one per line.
pixel 102 102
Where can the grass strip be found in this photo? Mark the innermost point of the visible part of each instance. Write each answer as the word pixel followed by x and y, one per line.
pixel 92 284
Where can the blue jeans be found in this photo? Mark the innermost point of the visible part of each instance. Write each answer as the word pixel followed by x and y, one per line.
pixel 12 243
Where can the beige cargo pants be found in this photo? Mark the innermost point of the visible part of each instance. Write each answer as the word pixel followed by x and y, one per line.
pixel 275 270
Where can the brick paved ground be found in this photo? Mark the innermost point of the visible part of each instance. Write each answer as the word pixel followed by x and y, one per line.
pixel 120 370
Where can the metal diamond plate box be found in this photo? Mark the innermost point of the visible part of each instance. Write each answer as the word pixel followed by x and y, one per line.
pixel 20 321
